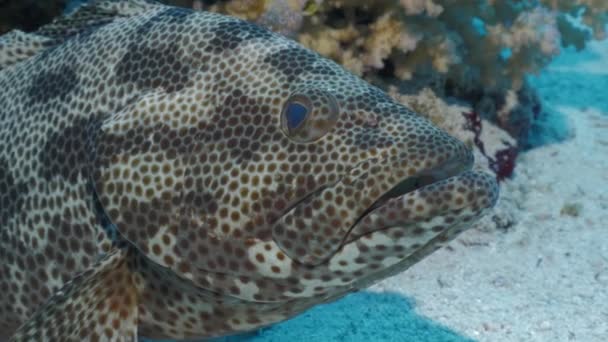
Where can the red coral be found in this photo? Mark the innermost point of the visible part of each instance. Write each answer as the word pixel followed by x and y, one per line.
pixel 474 125
pixel 503 161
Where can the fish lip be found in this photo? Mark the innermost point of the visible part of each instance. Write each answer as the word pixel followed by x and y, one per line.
pixel 450 168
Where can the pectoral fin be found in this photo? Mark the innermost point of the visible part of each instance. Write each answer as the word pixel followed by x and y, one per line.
pixel 100 304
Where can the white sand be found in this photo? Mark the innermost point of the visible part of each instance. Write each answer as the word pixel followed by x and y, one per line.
pixel 545 278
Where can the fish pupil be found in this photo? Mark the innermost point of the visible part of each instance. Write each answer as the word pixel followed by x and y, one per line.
pixel 295 114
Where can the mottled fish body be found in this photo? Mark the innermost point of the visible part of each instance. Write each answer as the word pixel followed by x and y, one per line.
pixel 177 174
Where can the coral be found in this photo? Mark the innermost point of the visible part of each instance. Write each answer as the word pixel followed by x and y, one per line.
pixel 283 16
pixel 414 7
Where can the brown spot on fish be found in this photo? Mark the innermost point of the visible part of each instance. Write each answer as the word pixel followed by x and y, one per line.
pixel 53 84
pixel 151 68
pixel 67 153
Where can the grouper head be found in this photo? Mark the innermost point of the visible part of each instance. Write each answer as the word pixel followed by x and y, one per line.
pixel 266 173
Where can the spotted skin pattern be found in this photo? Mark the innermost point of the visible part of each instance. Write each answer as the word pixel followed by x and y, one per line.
pixel 147 169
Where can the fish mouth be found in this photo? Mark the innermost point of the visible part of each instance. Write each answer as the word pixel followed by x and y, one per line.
pixel 450 189
pixel 451 168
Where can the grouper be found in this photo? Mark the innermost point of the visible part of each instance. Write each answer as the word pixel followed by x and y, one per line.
pixel 170 173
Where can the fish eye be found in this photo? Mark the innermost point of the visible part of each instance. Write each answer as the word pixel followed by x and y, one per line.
pixel 309 115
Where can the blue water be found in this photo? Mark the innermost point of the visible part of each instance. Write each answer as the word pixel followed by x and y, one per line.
pixel 567 89
pixel 574 90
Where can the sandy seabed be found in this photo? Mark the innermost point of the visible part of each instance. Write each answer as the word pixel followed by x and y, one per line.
pixel 543 276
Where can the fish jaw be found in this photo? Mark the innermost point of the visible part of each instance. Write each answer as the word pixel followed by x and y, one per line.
pixel 432 208
pixel 405 229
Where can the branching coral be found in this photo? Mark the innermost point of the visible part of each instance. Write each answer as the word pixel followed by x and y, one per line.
pixel 415 7
pixel 283 16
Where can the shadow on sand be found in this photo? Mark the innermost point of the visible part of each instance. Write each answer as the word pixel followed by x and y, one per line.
pixel 359 317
